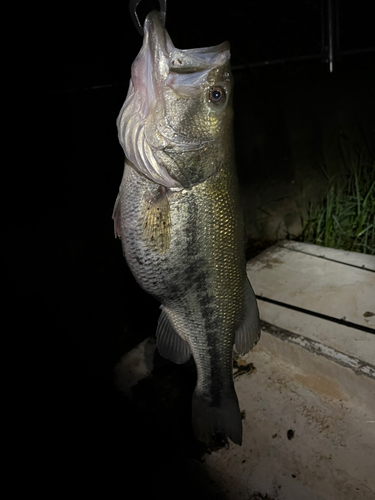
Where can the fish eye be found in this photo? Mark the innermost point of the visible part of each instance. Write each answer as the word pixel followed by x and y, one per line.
pixel 217 95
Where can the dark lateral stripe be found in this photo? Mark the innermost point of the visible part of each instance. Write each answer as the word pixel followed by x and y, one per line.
pixel 318 315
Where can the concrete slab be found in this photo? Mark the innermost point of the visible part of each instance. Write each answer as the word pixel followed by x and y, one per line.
pixel 305 437
pixel 338 289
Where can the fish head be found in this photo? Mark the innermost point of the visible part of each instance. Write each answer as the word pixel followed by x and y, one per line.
pixel 176 123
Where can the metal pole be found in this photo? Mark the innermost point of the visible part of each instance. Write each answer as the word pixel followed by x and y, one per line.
pixel 323 27
pixel 337 27
pixel 330 35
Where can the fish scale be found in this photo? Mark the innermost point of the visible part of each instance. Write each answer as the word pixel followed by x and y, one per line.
pixel 181 224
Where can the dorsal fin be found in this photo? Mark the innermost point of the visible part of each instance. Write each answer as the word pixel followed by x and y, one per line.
pixel 248 333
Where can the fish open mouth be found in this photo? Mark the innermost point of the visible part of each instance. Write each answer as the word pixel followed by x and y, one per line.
pixel 145 128
pixel 181 60
pixel 183 70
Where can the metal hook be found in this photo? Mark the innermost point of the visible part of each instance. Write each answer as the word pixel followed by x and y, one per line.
pixel 133 13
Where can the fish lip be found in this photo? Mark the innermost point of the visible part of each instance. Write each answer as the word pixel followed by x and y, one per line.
pixel 154 29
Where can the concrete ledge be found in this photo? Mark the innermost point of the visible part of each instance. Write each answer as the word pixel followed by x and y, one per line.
pixel 358 366
pixel 326 369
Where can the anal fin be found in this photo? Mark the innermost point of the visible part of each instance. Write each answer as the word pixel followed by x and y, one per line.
pixel 169 343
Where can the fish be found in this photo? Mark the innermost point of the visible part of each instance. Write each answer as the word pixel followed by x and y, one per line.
pixel 178 215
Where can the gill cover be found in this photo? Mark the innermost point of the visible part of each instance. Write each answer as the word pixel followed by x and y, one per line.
pixel 145 130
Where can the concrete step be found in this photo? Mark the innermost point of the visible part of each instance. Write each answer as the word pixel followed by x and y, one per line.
pixel 321 299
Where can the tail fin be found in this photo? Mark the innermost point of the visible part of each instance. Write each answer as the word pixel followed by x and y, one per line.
pixel 214 424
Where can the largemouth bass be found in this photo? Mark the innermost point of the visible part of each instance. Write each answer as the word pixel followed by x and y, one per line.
pixel 179 218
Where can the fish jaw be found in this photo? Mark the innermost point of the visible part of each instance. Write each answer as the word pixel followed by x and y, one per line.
pixel 168 126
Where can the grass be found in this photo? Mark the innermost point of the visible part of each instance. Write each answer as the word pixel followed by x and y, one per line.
pixel 344 217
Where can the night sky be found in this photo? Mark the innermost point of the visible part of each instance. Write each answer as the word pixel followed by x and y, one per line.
pixel 95 45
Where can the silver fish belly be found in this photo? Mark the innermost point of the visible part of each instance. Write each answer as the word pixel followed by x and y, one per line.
pixel 179 219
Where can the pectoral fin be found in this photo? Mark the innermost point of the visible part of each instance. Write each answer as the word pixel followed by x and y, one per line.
pixel 248 333
pixel 157 221
pixel 169 343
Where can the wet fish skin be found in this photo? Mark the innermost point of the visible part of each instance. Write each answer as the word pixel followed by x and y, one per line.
pixel 179 218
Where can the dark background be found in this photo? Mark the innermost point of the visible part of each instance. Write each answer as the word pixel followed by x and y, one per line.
pixel 95 45
pixel 93 309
